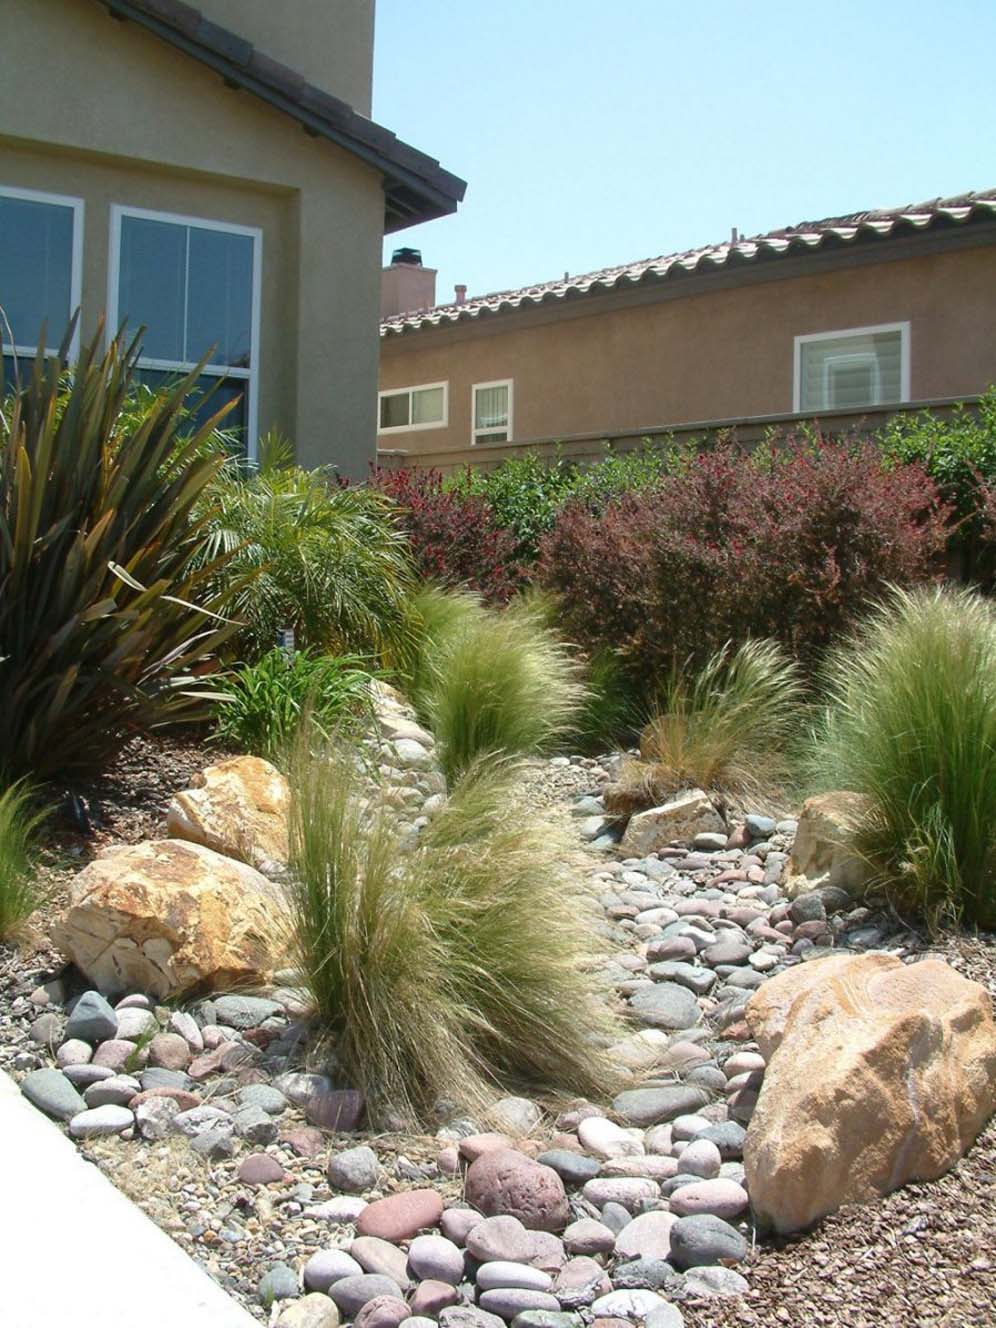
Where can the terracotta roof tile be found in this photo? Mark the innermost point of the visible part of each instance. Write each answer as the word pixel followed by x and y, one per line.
pixel 806 236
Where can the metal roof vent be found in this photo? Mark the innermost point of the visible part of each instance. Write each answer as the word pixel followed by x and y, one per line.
pixel 409 257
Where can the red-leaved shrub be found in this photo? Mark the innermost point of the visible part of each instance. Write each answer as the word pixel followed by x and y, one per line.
pixel 454 536
pixel 791 544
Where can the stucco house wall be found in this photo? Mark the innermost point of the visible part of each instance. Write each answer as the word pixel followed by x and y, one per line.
pixel 104 111
pixel 715 347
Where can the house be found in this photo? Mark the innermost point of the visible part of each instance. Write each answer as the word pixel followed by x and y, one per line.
pixel 211 173
pixel 845 319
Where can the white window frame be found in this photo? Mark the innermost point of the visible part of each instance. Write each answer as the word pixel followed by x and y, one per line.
pixel 474 430
pixel 250 375
pixel 75 274
pixel 415 428
pixel 904 357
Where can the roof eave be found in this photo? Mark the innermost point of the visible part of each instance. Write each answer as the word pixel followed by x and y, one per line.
pixel 410 198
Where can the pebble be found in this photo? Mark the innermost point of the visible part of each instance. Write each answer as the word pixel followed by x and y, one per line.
pixel 382 1312
pixel 264 1096
pixel 721 1198
pixel 606 1139
pixel 572 1168
pixel 328 1266
pixel 156 1117
pixel 587 1236
pixel 715 1281
pixel 436 1259
pixel 135 1023
pixel 92 1019
pixel 169 1051
pixel 82 1076
pixel 500 1239
pixel 652 1106
pixel 516 1115
pixel 51 1092
pixel 73 1052
pixel 502 1273
pixel 117 1054
pixel 100 1121
pixel 648 1236
pixel 117 1091
pixel 381 1256
pixel 352 1293
pixel 700 1158
pixel 630 1193
pixel 705 1239
pixel 311 1311
pixel 457 1223
pixel 665 1005
pixel 260 1169
pixel 464 1316
pixel 244 1012
pixel 665 1316
pixel 279 1282
pixel 400 1216
pixel 507 1302
pixel 354 1170
pixel 634 1304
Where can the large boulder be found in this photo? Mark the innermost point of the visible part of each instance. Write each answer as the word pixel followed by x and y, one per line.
pixel 167 917
pixel 237 807
pixel 823 852
pixel 681 819
pixel 878 1073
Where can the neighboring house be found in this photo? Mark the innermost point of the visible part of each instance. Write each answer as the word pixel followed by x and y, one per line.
pixel 211 173
pixel 842 319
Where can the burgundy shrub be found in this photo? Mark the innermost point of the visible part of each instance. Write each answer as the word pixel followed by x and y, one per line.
pixel 454 536
pixel 790 545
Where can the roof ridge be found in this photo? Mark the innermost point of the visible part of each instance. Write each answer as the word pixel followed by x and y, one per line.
pixel 847 227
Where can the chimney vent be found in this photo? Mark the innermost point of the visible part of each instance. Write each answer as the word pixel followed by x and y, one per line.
pixel 409 257
pixel 734 236
pixel 461 294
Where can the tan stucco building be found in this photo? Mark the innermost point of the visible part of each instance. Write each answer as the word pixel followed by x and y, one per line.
pixel 843 319
pixel 213 174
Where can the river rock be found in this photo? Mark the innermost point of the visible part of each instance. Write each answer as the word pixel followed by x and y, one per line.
pixel 682 818
pixel 506 1182
pixel 51 1092
pixel 704 1239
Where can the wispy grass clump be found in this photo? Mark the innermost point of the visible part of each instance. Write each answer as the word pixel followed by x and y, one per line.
pixel 911 723
pixel 452 969
pixel 20 893
pixel 492 681
pixel 726 726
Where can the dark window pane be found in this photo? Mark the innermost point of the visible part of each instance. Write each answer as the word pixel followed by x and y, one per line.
pixel 219 300
pixel 208 396
pixel 152 284
pixel 394 410
pixel 36 264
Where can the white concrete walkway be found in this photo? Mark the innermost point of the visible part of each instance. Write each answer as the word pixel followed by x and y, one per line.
pixel 74 1250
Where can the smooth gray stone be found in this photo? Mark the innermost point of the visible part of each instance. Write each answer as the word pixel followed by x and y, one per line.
pixel 546 1319
pixel 264 1096
pixel 100 1121
pixel 653 1106
pixel 82 1076
pixel 665 1005
pixel 728 1137
pixel 158 1077
pixel 255 1125
pixel 573 1168
pixel 761 827
pixel 117 1091
pixel 279 1282
pixel 745 978
pixel 92 1019
pixel 807 908
pixel 696 979
pixel 51 1092
pixel 703 1239
pixel 648 1274
pixel 507 1302
pixel 707 1281
pixel 328 1266
pixel 665 1316
pixel 352 1293
pixel 615 1216
pixel 709 1077
pixel 216 1143
pixel 465 1316
pixel 244 1012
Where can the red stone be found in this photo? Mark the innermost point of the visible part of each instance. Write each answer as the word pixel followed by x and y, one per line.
pixel 187 1100
pixel 430 1297
pixel 474 1146
pixel 260 1169
pixel 507 1182
pixel 304 1140
pixel 336 1110
pixel 400 1216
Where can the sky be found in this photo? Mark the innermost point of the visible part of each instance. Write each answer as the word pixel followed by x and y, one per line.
pixel 592 133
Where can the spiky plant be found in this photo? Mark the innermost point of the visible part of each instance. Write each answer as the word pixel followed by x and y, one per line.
pixel 20 893
pixel 910 721
pixel 726 726
pixel 103 615
pixel 304 552
pixel 434 969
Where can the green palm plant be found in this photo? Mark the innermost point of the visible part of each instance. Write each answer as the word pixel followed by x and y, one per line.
pixel 302 551
pixel 98 629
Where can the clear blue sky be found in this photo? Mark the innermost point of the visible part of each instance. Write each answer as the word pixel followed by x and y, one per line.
pixel 595 133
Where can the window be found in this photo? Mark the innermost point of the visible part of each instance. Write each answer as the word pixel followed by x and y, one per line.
pixel 194 286
pixel 492 412
pixel 863 366
pixel 424 407
pixel 41 239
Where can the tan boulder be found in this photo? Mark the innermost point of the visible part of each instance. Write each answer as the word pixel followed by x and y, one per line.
pixel 238 807
pixel 878 1073
pixel 682 818
pixel 166 917
pixel 822 853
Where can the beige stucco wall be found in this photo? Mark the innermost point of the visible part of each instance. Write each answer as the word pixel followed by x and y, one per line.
pixel 330 42
pixel 104 111
pixel 721 353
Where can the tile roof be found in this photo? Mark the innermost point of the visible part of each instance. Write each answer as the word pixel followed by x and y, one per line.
pixel 806 237
pixel 416 187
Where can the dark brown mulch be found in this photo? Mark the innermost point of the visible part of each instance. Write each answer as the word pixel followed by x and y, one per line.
pixel 924 1257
